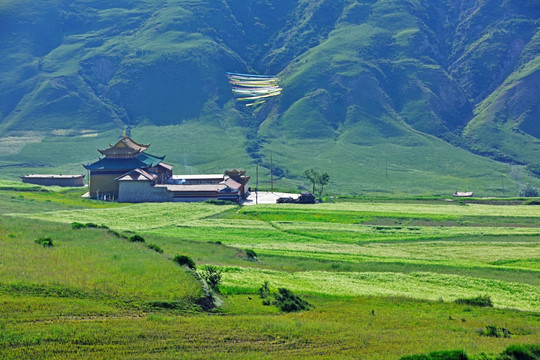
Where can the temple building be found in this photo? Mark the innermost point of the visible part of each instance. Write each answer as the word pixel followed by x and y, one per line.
pixel 124 156
pixel 128 174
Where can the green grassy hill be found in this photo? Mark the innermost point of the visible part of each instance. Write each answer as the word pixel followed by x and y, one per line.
pixel 383 95
pixel 382 276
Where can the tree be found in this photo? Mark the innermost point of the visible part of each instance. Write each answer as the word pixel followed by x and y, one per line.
pixel 323 179
pixel 318 179
pixel 311 175
pixel 212 275
pixel 528 191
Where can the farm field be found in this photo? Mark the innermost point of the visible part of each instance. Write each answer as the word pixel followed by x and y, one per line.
pixel 382 277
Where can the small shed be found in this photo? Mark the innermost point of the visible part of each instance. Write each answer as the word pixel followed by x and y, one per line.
pixel 54 179
pixel 463 194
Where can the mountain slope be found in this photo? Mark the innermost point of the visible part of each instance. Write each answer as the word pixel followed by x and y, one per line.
pixel 364 83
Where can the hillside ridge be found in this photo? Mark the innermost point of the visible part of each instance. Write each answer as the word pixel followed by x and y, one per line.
pixel 355 74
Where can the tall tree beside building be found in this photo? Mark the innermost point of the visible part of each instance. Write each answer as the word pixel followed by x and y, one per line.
pixel 318 180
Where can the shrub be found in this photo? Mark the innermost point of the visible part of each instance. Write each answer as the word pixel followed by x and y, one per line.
pixel 136 238
pixel 523 352
pixel 77 225
pixel 286 301
pixel 251 255
pixel 212 276
pixel 506 333
pixel 482 301
pixel 532 202
pixel 155 248
pixel 494 331
pixel 185 261
pixel 266 302
pixel 46 242
pixel 264 290
pixel 491 330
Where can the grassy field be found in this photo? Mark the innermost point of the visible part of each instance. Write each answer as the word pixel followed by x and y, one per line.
pixel 382 276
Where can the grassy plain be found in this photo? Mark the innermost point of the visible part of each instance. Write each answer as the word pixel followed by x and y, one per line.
pixel 382 276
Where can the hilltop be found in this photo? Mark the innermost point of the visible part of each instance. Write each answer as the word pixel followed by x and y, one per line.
pixel 386 96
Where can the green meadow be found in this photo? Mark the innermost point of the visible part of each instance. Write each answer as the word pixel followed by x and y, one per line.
pixel 382 276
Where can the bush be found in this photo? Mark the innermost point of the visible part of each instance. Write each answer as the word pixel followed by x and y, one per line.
pixel 77 225
pixel 482 301
pixel 286 301
pixel 46 242
pixel 439 355
pixel 184 260
pixel 266 302
pixel 264 290
pixel 251 255
pixel 523 352
pixel 136 238
pixel 155 248
pixel 493 331
pixel 519 352
pixel 212 276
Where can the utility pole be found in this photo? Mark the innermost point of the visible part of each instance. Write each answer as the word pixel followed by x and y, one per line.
pixel 271 172
pixel 257 186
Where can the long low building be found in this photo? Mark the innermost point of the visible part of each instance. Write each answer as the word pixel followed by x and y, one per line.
pixel 54 179
pixel 140 186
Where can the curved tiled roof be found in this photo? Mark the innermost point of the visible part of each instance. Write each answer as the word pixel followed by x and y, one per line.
pixel 125 146
pixel 141 160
